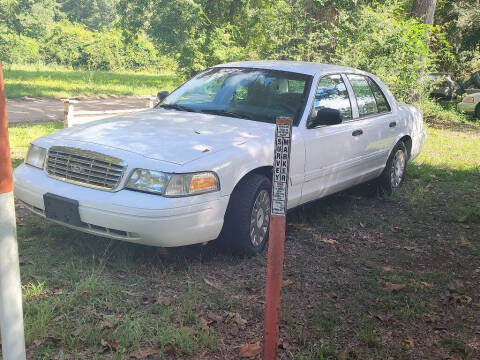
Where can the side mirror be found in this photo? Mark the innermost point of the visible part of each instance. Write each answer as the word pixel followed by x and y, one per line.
pixel 325 116
pixel 162 95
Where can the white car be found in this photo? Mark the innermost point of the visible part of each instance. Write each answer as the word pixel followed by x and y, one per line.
pixel 470 104
pixel 199 165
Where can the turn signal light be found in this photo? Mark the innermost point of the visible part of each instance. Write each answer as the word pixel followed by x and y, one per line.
pixel 203 182
pixel 469 100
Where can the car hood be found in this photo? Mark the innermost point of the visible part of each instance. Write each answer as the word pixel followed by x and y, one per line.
pixel 167 135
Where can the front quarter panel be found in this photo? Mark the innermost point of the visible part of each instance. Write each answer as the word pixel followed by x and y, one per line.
pixel 233 163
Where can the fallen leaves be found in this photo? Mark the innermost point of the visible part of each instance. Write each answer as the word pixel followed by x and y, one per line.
pixel 250 351
pixel 409 342
pixel 163 300
pixel 206 323
pixel 237 318
pixel 213 283
pixel 214 317
pixel 109 345
pixel 383 317
pixel 143 353
pixel 104 324
pixel 57 291
pixel 132 293
pixel 388 286
pixel 460 299
pixel 329 241
pixel 455 295
pixel 169 350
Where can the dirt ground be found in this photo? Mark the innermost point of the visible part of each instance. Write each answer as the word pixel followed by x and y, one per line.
pixel 33 110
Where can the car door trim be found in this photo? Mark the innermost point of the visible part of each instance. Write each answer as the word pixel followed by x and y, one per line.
pixel 343 166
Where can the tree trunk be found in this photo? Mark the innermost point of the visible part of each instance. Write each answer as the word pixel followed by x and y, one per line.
pixel 424 9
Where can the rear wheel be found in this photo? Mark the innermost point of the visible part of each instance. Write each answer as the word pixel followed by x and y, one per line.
pixel 477 111
pixel 247 218
pixel 393 175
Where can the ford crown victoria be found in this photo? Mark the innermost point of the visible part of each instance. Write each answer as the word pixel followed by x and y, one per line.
pixel 199 165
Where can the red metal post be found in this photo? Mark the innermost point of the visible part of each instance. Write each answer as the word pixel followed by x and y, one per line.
pixel 6 183
pixel 276 240
pixel 273 289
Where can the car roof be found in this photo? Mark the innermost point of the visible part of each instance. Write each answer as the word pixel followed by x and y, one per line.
pixel 301 67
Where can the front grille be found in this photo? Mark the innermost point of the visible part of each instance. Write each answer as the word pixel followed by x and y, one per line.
pixel 83 167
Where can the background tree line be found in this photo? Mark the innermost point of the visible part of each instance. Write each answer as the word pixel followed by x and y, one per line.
pixel 382 36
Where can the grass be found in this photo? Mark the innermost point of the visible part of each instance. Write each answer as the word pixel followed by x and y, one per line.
pixel 82 292
pixel 22 135
pixel 58 82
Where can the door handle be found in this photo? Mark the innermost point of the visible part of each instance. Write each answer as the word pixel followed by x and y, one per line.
pixel 392 124
pixel 357 132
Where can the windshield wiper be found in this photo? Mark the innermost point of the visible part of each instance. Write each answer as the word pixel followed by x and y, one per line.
pixel 227 113
pixel 177 107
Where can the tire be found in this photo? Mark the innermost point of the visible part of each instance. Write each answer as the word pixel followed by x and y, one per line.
pixel 477 111
pixel 393 175
pixel 250 200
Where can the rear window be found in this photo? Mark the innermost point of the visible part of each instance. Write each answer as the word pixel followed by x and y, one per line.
pixel 367 105
pixel 382 103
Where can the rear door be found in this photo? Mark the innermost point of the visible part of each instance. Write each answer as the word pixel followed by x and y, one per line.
pixel 376 122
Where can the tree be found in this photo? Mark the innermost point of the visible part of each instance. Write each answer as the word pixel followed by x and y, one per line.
pixel 424 9
pixel 95 14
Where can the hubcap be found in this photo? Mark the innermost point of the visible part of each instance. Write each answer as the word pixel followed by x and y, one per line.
pixel 398 168
pixel 260 218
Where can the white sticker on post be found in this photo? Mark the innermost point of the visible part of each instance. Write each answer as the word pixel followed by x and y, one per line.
pixel 281 165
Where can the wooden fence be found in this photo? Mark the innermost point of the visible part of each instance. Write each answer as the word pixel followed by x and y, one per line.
pixel 74 117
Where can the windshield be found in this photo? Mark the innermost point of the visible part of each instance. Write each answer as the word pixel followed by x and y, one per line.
pixel 252 94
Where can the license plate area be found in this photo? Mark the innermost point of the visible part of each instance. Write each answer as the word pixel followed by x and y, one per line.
pixel 62 209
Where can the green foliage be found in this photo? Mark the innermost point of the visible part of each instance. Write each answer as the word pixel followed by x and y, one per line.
pixel 377 37
pixel 67 43
pixel 74 45
pixel 95 14
pixel 19 49
pixel 381 41
pixel 374 35
pixel 105 51
pixel 28 18
pixel 459 20
pixel 433 111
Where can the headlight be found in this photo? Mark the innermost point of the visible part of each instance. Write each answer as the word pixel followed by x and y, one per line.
pixel 36 156
pixel 173 185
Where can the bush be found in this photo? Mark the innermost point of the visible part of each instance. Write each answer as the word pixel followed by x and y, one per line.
pixel 74 45
pixel 66 44
pixel 390 46
pixel 105 51
pixel 19 49
pixel 141 54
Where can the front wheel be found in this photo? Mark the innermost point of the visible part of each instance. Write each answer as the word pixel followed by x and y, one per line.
pixel 393 175
pixel 477 111
pixel 247 218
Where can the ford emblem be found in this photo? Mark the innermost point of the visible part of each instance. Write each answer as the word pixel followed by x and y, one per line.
pixel 77 168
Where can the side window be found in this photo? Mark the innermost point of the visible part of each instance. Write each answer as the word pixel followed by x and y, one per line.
pixel 332 94
pixel 367 104
pixel 382 103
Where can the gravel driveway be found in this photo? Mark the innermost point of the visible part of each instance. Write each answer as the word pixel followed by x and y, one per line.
pixel 30 110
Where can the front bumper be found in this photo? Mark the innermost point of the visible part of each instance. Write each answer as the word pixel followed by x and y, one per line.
pixel 129 215
pixel 467 108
